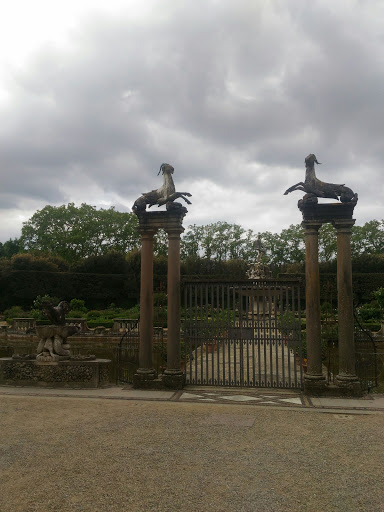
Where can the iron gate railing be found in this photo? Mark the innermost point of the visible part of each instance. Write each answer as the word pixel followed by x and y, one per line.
pixel 244 333
pixel 128 352
pixel 366 356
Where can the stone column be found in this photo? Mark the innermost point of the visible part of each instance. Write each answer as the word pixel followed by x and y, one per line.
pixel 173 375
pixel 347 374
pixel 146 370
pixel 314 379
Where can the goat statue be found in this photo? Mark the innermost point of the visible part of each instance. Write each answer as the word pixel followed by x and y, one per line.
pixel 315 188
pixel 164 195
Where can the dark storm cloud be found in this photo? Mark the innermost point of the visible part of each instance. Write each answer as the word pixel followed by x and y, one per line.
pixel 234 92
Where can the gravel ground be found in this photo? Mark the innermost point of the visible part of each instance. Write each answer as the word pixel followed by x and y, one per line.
pixel 68 454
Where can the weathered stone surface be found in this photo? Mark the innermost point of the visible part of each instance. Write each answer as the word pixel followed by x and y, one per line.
pixel 71 374
pixel 163 195
pixel 315 188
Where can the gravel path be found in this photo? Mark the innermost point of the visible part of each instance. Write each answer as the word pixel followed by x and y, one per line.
pixel 68 454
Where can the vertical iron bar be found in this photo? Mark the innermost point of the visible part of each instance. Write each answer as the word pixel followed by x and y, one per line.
pixel 248 330
pixel 235 340
pixel 289 335
pixel 281 310
pixel 295 334
pixel 230 339
pixel 274 310
pixel 270 333
pixel 264 338
pixel 212 332
pixel 253 333
pixel 258 333
pixel 241 357
pixel 300 334
pixel 201 289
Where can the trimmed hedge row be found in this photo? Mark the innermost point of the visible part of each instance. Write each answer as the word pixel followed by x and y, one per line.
pixel 363 286
pixel 20 287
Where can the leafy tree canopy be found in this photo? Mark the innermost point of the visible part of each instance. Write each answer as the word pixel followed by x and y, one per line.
pixel 78 232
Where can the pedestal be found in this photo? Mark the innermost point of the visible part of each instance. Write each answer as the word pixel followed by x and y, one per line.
pixel 62 374
pixel 340 215
pixel 149 223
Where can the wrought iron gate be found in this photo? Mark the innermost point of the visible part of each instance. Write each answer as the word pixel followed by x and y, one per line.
pixel 128 352
pixel 245 333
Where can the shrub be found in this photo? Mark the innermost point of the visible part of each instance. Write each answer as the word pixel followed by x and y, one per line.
pixel 15 312
pixel 92 315
pixel 370 311
pixel 78 305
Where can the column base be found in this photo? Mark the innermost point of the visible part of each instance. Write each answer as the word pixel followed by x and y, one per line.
pixel 144 378
pixel 348 384
pixel 314 384
pixel 173 379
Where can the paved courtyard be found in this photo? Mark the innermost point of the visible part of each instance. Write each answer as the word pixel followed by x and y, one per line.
pixel 202 449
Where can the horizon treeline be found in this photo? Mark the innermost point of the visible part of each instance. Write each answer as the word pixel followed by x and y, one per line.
pixel 75 238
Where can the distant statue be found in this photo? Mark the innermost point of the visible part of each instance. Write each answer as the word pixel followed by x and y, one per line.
pixel 56 314
pixel 164 195
pixel 53 344
pixel 315 188
pixel 259 269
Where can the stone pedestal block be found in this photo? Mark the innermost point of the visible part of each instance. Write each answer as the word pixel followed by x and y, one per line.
pixel 173 379
pixel 61 374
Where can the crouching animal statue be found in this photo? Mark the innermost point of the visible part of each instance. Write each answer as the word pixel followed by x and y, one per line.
pixel 164 195
pixel 53 338
pixel 315 188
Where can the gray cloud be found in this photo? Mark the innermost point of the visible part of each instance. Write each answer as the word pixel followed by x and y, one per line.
pixel 236 93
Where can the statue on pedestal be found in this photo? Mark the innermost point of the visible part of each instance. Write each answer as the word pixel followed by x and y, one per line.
pixel 259 269
pixel 315 188
pixel 165 195
pixel 53 344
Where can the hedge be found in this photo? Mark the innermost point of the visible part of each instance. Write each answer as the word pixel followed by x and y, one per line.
pixel 20 287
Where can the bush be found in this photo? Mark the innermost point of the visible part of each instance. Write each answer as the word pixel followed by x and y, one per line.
pixel 113 262
pixel 78 305
pixel 30 262
pixel 92 315
pixel 15 312
pixel 74 313
pixel 370 311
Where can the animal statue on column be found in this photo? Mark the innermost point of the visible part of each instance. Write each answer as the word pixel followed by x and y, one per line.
pixel 315 188
pixel 165 195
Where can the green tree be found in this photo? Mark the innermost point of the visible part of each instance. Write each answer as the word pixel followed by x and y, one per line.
pixel 79 232
pixel 286 247
pixel 327 242
pixel 9 248
pixel 368 239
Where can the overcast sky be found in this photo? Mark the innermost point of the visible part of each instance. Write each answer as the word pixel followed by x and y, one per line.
pixel 95 95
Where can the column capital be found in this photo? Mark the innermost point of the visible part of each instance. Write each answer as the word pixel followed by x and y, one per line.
pixel 147 233
pixel 344 226
pixel 173 231
pixel 311 226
